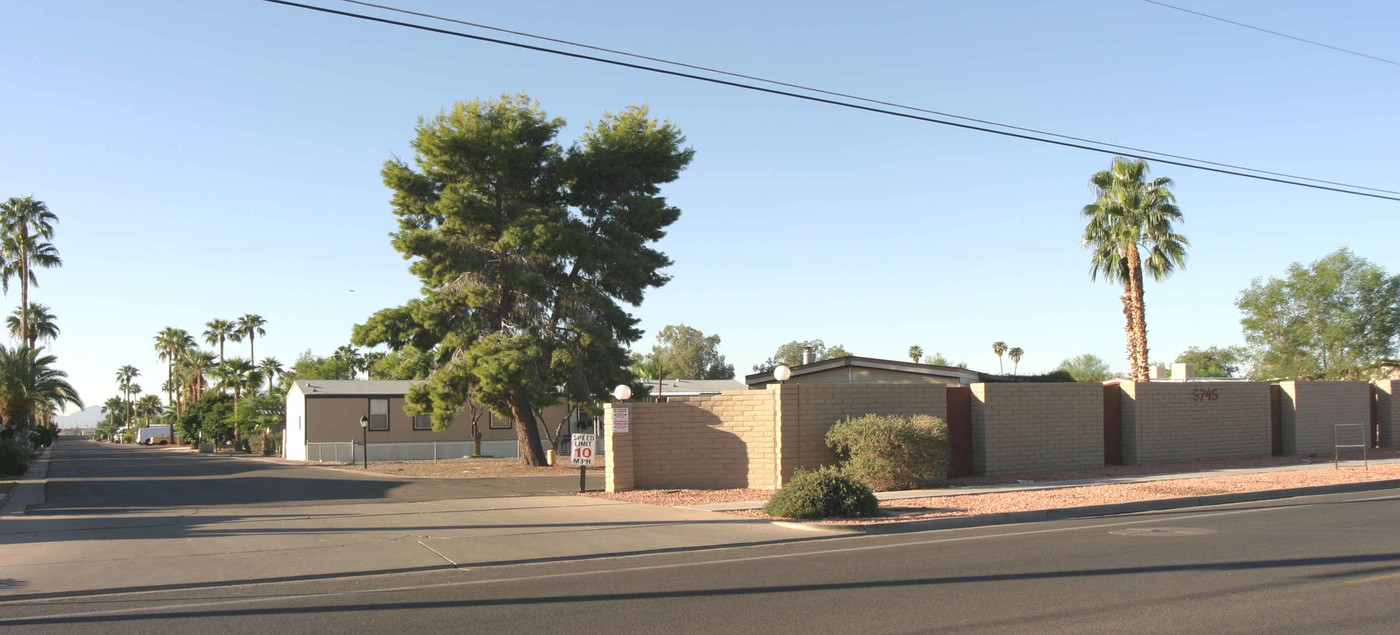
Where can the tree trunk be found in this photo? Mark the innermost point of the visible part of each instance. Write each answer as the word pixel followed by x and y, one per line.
pixel 23 280
pixel 1137 325
pixel 527 431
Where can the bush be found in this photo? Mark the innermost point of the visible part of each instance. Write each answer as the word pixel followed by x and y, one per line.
pixel 41 437
pixel 822 494
pixel 14 460
pixel 892 452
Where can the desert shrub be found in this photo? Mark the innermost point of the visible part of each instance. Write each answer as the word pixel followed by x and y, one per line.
pixel 823 493
pixel 41 437
pixel 14 460
pixel 892 452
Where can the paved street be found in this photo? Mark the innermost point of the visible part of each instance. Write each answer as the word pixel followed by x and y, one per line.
pixel 1318 564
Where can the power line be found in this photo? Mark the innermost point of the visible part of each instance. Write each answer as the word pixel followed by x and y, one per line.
pixel 849 96
pixel 1263 30
pixel 1028 134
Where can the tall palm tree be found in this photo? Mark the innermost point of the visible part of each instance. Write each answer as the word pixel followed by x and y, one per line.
pixel 42 325
pixel 26 225
pixel 147 408
pixel 915 353
pixel 125 377
pixel 1015 355
pixel 192 370
pixel 237 373
pixel 249 326
pixel 216 331
pixel 1000 349
pixel 352 358
pixel 270 368
pixel 113 408
pixel 1129 215
pixel 27 380
pixel 170 343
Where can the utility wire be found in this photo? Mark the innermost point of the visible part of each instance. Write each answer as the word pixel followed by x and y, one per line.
pixel 849 96
pixel 1195 164
pixel 1263 30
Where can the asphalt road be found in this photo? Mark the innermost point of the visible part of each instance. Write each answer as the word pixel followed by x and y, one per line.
pixel 1316 564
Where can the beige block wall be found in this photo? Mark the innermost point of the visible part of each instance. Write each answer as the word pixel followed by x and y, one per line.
pixel 619 472
pixel 1309 408
pixel 1388 412
pixel 817 407
pixel 709 442
pixel 337 419
pixel 1036 427
pixel 1180 421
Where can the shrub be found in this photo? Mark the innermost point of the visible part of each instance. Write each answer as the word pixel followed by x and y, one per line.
pixel 822 494
pixel 892 452
pixel 41 437
pixel 14 460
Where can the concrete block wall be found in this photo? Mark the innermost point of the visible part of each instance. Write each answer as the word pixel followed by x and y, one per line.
pixel 1309 408
pixel 1036 427
pixel 809 410
pixel 710 442
pixel 1388 412
pixel 1183 421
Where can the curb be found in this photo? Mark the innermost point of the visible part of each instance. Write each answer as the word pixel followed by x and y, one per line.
pixel 1088 511
pixel 31 488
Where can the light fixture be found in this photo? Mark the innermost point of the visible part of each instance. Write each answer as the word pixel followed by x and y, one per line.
pixel 622 392
pixel 782 373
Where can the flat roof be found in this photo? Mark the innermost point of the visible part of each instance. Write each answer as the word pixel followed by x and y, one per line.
pixel 353 387
pixel 867 362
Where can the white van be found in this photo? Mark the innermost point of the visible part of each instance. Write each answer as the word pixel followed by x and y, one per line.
pixel 153 435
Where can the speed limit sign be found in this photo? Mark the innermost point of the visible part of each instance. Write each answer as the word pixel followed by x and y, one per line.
pixel 585 447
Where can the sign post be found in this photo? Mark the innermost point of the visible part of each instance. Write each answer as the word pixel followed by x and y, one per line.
pixel 584 448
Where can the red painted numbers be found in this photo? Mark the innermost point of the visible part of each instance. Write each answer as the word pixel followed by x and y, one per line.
pixel 1205 394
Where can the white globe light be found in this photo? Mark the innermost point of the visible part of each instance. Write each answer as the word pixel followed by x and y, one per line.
pixel 622 392
pixel 782 373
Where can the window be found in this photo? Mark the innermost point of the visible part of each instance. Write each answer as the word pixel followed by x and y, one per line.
pixel 423 422
pixel 379 414
pixel 497 423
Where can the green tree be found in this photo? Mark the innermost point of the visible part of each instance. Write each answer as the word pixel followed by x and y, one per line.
pixel 1330 319
pixel 26 225
pixel 1087 367
pixel 42 325
pixel 1015 353
pixel 312 366
pixel 915 352
pixel 682 352
pixel 526 251
pixel 170 343
pixel 1131 215
pixel 238 373
pixel 209 417
pixel 126 377
pixel 270 368
pixel 1000 349
pixel 217 332
pixel 406 363
pixel 249 326
pixel 193 369
pixel 261 415
pixel 27 381
pixel 352 358
pixel 1213 361
pixel 790 354
pixel 147 408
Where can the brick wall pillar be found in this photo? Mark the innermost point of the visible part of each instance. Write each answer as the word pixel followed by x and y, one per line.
pixel 787 432
pixel 1387 404
pixel 621 475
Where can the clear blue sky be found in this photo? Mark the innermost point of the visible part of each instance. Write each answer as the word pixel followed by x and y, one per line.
pixel 209 159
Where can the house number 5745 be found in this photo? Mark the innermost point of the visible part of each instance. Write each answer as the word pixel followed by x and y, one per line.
pixel 1204 394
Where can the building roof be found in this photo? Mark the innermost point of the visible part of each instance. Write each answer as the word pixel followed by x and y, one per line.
pixel 969 376
pixel 684 387
pixel 353 387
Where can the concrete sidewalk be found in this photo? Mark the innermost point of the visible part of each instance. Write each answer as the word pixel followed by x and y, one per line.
pixel 1025 486
pixel 30 488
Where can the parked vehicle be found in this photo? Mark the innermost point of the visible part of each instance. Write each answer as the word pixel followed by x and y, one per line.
pixel 153 435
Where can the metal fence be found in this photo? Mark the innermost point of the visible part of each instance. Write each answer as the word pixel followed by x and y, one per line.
pixel 330 452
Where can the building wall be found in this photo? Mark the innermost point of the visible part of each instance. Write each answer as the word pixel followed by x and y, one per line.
pixel 1388 412
pixel 294 434
pixel 335 418
pixel 710 442
pixel 817 407
pixel 1033 427
pixel 1309 408
pixel 1184 421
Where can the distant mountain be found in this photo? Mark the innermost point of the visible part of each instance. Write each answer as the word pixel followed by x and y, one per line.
pixel 86 418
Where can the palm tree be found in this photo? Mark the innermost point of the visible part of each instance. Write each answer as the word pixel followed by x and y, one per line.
pixel 125 375
pixel 352 358
pixel 42 325
pixel 23 221
pixel 1129 215
pixel 170 343
pixel 1015 355
pixel 216 331
pixel 915 353
pixel 237 373
pixel 29 380
pixel 113 408
pixel 999 348
pixel 148 407
pixel 192 369
pixel 270 368
pixel 251 326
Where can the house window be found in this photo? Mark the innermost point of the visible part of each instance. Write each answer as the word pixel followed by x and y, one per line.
pixel 379 414
pixel 497 423
pixel 423 422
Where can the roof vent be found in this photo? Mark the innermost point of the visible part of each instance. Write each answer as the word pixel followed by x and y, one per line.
pixel 1183 372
